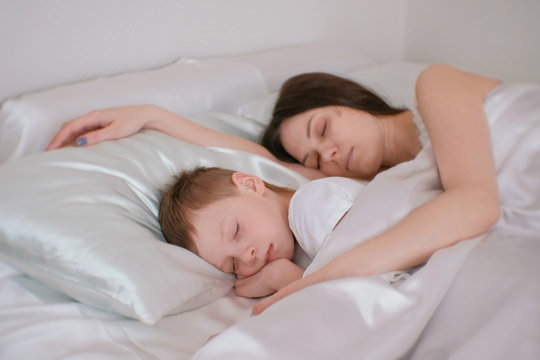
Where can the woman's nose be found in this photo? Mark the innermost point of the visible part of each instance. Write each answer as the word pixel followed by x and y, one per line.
pixel 328 151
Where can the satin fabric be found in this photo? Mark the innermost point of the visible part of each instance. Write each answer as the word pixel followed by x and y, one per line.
pixel 476 299
pixel 84 220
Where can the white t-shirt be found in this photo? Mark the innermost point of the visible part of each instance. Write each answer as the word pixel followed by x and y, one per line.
pixel 317 207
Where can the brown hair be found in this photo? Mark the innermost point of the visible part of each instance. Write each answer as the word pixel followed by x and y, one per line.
pixel 308 91
pixel 191 191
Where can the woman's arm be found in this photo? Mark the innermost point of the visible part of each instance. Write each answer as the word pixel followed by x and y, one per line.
pixel 450 102
pixel 272 277
pixel 116 123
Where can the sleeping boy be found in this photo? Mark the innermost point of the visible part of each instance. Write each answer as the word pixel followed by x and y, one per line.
pixel 246 226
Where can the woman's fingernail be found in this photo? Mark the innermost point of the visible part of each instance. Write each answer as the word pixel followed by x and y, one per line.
pixel 81 141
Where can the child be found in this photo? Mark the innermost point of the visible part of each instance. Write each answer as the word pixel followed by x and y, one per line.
pixel 243 225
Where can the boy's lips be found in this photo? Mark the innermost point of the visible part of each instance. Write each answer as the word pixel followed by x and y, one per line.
pixel 269 254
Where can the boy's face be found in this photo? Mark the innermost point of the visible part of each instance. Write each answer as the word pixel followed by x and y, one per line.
pixel 243 233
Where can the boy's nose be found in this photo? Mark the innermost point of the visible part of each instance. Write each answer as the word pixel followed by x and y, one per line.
pixel 249 256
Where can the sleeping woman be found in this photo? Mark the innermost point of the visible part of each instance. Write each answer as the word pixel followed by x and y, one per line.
pixel 324 125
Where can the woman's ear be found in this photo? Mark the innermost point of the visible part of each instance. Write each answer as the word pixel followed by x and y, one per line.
pixel 248 182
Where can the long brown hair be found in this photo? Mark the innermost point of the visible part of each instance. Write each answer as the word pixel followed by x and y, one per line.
pixel 308 91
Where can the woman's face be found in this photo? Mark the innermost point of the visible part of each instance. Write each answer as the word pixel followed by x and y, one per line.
pixel 339 141
pixel 241 234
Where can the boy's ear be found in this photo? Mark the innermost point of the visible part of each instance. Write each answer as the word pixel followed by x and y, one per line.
pixel 248 182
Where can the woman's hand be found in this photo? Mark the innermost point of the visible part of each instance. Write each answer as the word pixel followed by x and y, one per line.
pixel 280 294
pixel 291 288
pixel 105 124
pixel 272 277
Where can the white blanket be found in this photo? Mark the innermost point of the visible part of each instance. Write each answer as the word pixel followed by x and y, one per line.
pixel 478 299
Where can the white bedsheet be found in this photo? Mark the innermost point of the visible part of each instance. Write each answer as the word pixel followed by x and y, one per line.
pixel 37 322
pixel 479 299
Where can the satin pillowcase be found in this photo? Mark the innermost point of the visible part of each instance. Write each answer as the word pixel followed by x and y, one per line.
pixel 84 221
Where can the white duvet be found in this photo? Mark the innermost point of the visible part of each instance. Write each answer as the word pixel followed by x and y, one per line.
pixel 479 299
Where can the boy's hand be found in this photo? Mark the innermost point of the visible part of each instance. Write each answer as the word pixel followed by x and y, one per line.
pixel 269 279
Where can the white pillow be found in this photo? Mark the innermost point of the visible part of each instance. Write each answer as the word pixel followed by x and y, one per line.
pixel 84 220
pixel 189 86
pixel 395 82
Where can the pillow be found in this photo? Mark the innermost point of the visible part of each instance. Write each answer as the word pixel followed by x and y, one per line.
pixel 395 82
pixel 188 86
pixel 84 220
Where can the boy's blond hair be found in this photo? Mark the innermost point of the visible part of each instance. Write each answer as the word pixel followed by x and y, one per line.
pixel 191 191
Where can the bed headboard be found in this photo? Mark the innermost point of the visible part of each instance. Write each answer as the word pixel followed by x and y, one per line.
pixel 45 43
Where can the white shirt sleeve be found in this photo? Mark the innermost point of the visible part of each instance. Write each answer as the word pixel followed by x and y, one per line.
pixel 316 208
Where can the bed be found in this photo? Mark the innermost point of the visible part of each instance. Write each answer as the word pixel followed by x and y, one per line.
pixel 85 273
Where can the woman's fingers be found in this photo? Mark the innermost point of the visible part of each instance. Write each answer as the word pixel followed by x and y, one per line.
pixel 269 301
pixel 210 338
pixel 264 304
pixel 98 126
pixel 76 129
pixel 286 291
pixel 95 137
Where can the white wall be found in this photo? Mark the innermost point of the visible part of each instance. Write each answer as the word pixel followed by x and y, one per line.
pixel 494 37
pixel 44 43
pixel 55 41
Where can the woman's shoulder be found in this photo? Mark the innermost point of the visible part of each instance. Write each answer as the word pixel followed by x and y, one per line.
pixel 436 79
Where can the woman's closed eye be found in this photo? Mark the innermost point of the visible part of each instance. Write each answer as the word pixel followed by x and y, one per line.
pixel 322 133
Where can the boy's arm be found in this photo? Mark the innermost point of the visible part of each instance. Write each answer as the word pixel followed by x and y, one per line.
pixel 271 278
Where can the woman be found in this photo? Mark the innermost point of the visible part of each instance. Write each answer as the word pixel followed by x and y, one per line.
pixel 339 139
